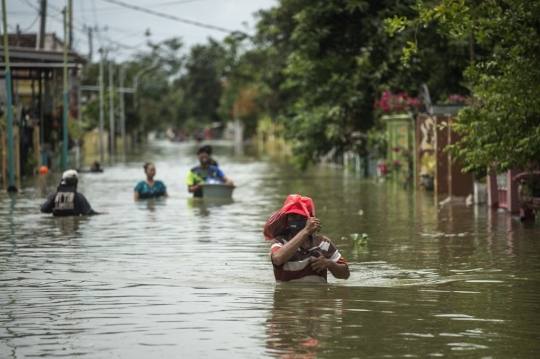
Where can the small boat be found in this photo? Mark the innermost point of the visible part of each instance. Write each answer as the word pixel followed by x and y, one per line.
pixel 217 190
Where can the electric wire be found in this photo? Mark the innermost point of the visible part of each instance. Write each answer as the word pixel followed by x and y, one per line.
pixel 171 17
pixel 30 26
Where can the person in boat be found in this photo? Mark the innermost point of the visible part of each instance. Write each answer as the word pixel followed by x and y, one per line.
pixel 204 173
pixel 297 252
pixel 66 201
pixel 96 167
pixel 150 188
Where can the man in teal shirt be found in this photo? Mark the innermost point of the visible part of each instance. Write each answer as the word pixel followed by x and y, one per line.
pixel 203 173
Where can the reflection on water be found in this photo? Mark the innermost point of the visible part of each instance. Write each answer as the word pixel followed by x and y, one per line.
pixel 304 318
pixel 165 277
pixel 150 204
pixel 203 206
pixel 11 215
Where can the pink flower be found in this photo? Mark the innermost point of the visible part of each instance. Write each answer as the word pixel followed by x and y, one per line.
pixel 395 149
pixel 396 163
pixel 455 98
pixel 383 167
pixel 391 103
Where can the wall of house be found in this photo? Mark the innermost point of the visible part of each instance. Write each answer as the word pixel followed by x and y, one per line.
pixel 434 133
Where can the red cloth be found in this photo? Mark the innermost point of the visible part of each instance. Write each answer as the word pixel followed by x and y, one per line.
pixel 294 203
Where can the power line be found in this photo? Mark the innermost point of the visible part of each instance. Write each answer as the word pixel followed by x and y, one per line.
pixel 116 9
pixel 52 17
pixel 33 22
pixel 170 17
pixel 81 3
pixel 96 24
pixel 174 2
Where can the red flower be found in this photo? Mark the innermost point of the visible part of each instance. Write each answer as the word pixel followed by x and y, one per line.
pixel 383 167
pixel 396 163
pixel 395 149
pixel 401 103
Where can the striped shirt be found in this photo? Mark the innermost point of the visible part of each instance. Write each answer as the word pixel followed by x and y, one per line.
pixel 298 267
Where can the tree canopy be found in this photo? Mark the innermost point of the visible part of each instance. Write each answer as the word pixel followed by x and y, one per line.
pixel 314 67
pixel 502 127
pixel 321 65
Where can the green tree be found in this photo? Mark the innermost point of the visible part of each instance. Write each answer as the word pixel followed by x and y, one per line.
pixel 201 85
pixel 342 60
pixel 502 128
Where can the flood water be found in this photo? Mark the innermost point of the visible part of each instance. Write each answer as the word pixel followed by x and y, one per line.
pixel 181 278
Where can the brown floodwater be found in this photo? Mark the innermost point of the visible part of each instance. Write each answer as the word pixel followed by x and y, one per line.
pixel 180 277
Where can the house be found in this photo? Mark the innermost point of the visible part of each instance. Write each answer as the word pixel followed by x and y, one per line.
pixel 433 133
pixel 37 86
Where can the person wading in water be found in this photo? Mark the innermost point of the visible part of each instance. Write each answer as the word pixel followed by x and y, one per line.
pixel 296 252
pixel 149 188
pixel 66 201
pixel 198 175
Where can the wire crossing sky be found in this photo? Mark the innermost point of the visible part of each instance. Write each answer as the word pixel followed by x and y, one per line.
pixel 170 17
pixel 112 21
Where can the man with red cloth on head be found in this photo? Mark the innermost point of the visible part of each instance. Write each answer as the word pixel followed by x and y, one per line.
pixel 297 253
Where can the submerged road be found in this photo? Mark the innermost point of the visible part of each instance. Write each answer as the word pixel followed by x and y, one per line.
pixel 183 278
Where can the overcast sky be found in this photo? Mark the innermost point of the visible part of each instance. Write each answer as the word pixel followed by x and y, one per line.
pixel 128 26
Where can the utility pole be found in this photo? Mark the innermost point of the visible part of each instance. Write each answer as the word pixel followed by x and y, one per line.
pixel 17 35
pixel 90 45
pixel 122 110
pixel 101 103
pixel 7 74
pixel 43 15
pixel 41 45
pixel 79 120
pixel 70 11
pixel 111 107
pixel 65 107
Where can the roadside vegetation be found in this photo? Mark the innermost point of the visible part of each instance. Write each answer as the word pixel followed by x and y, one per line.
pixel 316 69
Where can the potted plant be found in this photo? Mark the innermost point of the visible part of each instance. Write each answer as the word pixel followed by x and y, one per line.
pixel 400 104
pixel 451 105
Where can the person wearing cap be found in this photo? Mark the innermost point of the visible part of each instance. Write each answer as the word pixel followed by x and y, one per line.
pixel 297 252
pixel 66 201
pixel 205 172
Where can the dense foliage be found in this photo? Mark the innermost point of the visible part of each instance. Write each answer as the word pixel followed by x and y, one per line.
pixel 314 67
pixel 327 62
pixel 502 128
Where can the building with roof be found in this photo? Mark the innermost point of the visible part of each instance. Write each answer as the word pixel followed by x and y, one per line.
pixel 37 86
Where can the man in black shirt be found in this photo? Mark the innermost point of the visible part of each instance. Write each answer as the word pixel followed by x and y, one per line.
pixel 66 201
